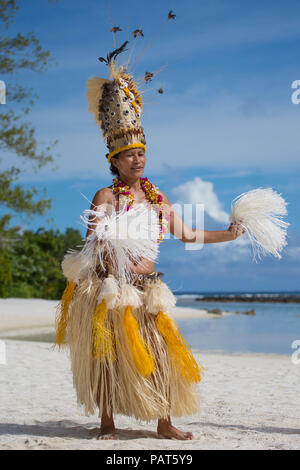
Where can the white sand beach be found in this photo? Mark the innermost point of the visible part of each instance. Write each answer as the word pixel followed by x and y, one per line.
pixel 249 401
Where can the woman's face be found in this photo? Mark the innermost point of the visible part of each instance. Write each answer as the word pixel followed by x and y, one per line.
pixel 131 163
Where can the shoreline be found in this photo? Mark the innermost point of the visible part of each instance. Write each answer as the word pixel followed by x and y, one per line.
pixel 9 337
pixel 21 314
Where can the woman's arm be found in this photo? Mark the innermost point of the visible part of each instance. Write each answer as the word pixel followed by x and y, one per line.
pixel 189 235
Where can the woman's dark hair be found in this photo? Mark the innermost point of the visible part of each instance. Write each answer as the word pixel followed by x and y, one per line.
pixel 113 169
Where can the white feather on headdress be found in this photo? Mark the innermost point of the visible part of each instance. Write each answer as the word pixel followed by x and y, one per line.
pixel 260 213
pixel 93 94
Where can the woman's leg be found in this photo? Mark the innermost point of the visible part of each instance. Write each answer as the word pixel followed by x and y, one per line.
pixel 164 426
pixel 107 429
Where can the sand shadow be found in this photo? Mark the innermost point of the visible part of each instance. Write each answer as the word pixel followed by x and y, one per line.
pixel 130 434
pixel 263 429
pixel 70 429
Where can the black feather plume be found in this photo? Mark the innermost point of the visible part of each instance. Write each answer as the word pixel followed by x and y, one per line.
pixel 112 55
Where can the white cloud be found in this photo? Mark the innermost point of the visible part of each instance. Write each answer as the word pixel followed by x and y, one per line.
pixel 293 252
pixel 199 191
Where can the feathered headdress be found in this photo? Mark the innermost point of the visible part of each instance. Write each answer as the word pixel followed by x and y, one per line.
pixel 116 102
pixel 117 107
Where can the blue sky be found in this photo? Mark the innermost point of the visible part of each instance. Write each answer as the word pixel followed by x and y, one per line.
pixel 224 125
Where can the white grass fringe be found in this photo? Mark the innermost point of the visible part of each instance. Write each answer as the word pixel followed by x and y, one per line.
pixel 260 213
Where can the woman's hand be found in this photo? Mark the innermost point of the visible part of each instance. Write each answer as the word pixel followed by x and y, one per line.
pixel 236 230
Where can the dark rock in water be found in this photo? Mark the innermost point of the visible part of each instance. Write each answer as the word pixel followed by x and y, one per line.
pixel 246 312
pixel 250 312
pixel 215 310
pixel 254 298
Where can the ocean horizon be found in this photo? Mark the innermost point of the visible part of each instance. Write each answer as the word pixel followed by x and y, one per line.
pixel 232 293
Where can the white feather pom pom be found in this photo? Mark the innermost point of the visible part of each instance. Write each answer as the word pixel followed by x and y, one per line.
pixel 130 295
pixel 109 292
pixel 159 298
pixel 72 264
pixel 260 213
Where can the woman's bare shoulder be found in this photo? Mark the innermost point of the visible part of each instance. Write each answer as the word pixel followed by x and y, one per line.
pixel 103 196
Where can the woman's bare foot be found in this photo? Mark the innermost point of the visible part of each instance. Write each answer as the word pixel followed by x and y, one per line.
pixel 106 433
pixel 166 429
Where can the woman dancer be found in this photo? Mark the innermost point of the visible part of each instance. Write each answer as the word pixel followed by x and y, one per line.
pixel 127 354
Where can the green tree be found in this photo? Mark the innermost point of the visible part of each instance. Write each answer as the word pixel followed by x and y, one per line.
pixel 19 52
pixel 35 260
pixel 7 236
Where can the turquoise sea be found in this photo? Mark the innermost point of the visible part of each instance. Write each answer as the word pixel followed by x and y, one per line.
pixel 272 330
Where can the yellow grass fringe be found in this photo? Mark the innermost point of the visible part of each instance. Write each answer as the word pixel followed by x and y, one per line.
pixel 62 316
pixel 141 354
pixel 103 337
pixel 179 349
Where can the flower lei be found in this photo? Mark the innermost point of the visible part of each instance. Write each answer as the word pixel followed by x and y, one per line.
pixel 152 195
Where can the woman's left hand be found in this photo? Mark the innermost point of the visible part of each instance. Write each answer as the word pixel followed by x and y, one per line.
pixel 236 230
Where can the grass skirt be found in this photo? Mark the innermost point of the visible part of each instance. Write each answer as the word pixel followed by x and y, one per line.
pixel 116 382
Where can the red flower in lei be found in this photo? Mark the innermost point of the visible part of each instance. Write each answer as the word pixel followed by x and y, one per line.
pixel 152 195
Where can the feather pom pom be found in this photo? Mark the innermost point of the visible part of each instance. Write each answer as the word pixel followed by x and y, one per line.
pixel 130 295
pixel 159 297
pixel 71 265
pixel 109 292
pixel 260 213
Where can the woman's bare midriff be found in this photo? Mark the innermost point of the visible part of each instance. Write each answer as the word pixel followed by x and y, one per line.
pixel 145 267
